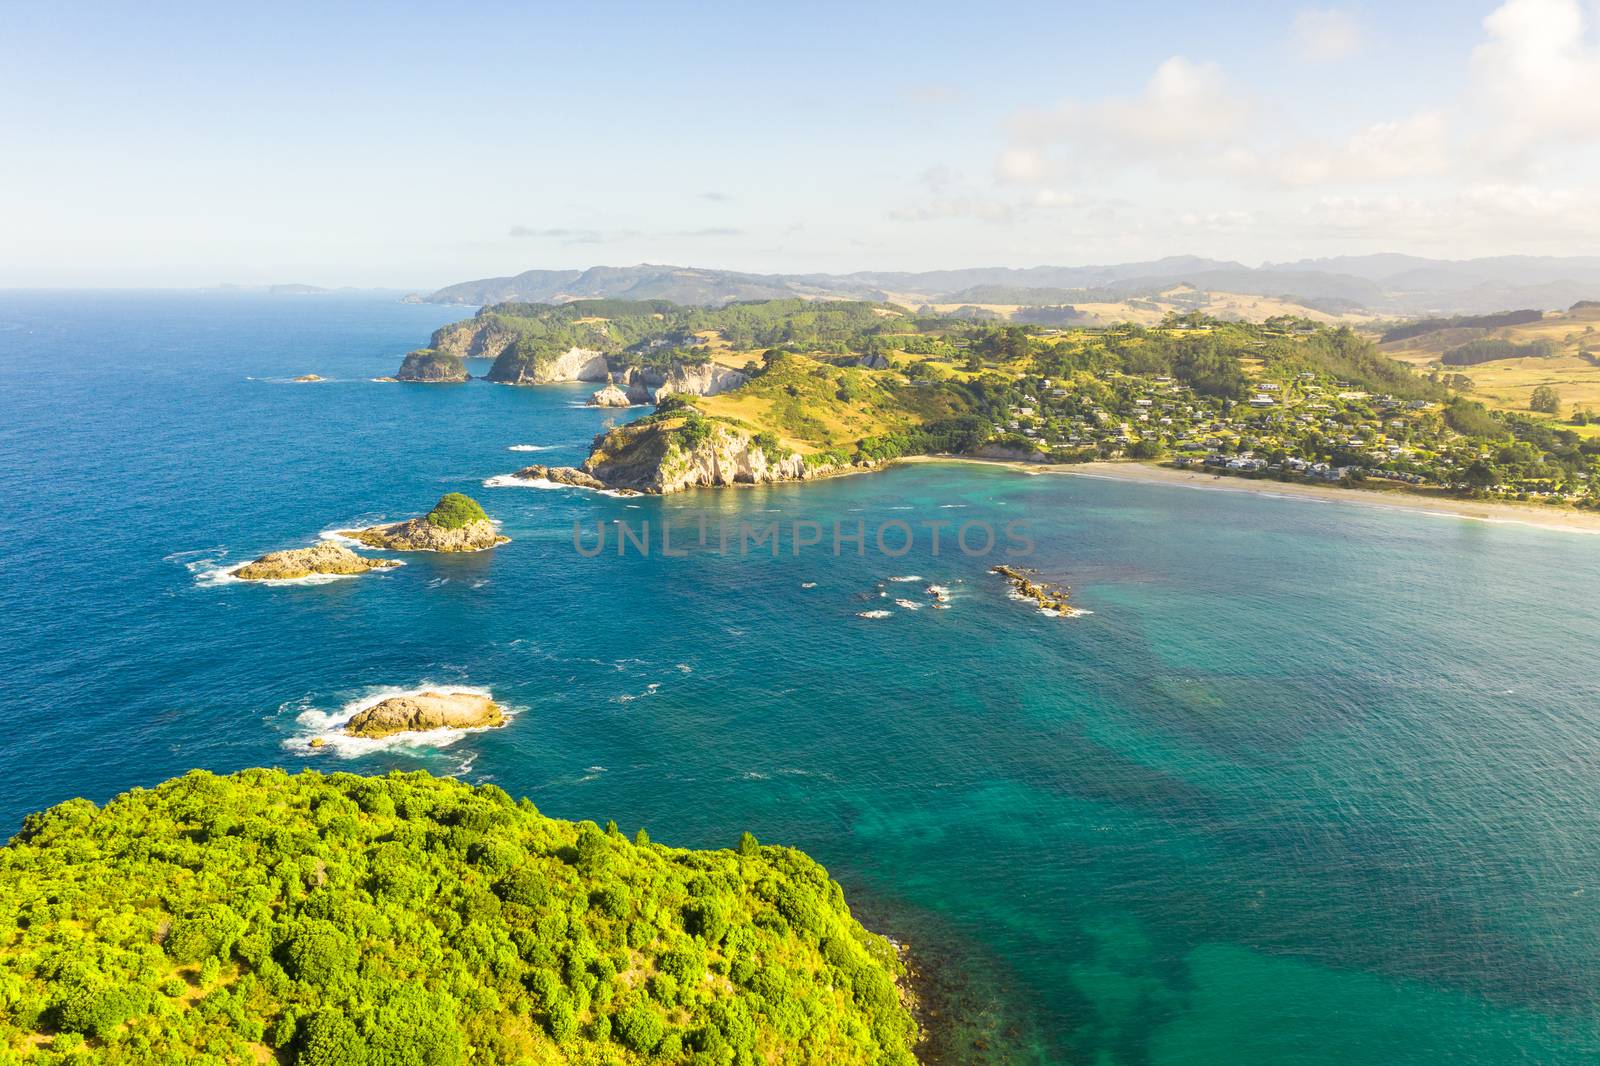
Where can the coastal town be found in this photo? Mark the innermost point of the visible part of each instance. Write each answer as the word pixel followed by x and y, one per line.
pixel 1300 425
pixel 792 389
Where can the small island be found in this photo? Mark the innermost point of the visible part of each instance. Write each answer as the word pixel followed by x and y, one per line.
pixel 424 711
pixel 311 377
pixel 433 366
pixel 324 558
pixel 610 396
pixel 457 523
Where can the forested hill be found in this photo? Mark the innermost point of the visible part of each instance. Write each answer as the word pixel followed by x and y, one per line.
pixel 416 921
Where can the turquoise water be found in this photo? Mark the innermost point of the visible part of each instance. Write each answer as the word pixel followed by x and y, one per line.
pixel 1314 782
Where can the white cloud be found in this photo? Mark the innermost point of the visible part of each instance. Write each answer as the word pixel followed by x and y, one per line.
pixel 1325 34
pixel 1565 208
pixel 1216 221
pixel 1503 216
pixel 930 94
pixel 1190 121
pixel 950 196
pixel 1185 107
pixel 1024 165
pixel 564 235
pixel 1538 75
pixel 1047 198
pixel 1384 151
pixel 1252 172
pixel 981 208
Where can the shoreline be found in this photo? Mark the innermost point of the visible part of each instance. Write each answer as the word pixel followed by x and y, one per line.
pixel 1501 512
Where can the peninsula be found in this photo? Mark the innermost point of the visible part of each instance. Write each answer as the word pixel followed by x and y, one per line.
pixel 430 365
pixel 788 390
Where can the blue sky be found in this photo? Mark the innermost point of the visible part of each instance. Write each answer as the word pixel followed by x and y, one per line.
pixel 413 146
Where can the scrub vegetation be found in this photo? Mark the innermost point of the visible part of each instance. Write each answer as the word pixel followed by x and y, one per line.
pixel 409 920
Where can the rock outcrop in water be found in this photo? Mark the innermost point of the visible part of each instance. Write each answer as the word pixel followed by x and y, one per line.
pixel 457 523
pixel 610 396
pixel 424 711
pixel 432 365
pixel 1050 598
pixel 324 558
pixel 567 475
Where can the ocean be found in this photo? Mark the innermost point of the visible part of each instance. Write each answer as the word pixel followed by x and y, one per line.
pixel 1308 782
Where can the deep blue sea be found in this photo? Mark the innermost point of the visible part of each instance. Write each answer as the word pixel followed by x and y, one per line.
pixel 1313 782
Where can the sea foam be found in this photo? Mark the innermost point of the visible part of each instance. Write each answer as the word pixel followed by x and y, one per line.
pixel 512 481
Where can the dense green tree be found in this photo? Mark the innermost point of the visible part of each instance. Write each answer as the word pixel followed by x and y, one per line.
pixel 1480 475
pixel 414 921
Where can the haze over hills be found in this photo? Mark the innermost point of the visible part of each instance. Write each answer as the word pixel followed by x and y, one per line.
pixel 1385 284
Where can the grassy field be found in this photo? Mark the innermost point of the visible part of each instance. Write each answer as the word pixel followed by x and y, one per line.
pixel 1181 298
pixel 1507 384
pixel 811 405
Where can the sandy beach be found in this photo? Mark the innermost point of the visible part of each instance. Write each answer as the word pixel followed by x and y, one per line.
pixel 1541 516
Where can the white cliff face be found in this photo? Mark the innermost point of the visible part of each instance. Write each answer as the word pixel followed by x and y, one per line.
pixel 728 457
pixel 648 385
pixel 703 379
pixel 574 364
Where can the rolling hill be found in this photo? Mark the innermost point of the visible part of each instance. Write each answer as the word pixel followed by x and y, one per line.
pixel 1388 284
pixel 1559 351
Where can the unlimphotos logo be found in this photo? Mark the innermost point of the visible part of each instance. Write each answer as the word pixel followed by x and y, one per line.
pixel 892 538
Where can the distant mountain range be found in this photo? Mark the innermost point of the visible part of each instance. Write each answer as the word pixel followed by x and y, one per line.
pixel 1382 284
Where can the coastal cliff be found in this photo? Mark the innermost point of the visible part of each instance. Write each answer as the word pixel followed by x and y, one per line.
pixel 666 455
pixel 651 385
pixel 531 351
pixel 727 411
pixel 526 364
pixel 700 379
pixel 431 365
pixel 484 337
